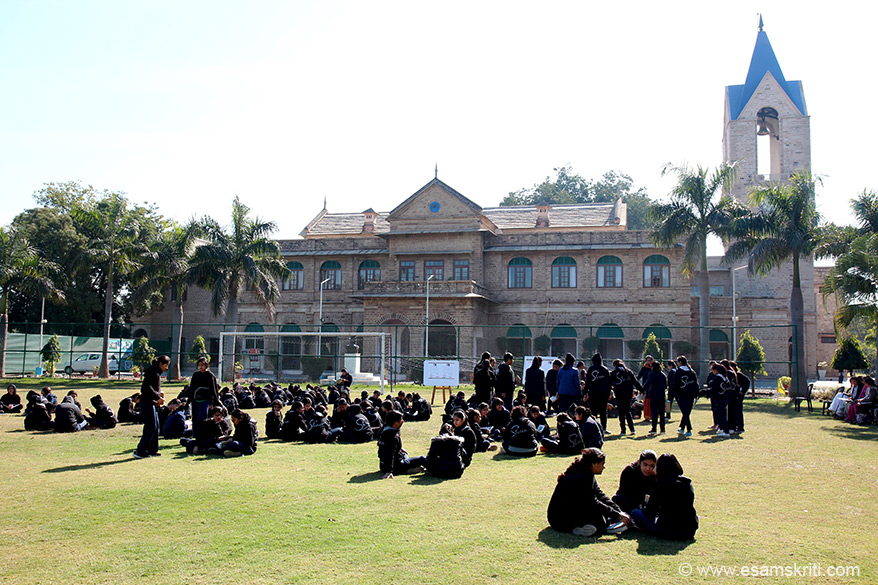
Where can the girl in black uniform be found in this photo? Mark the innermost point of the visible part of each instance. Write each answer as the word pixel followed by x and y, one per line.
pixel 685 384
pixel 670 512
pixel 655 387
pixel 636 482
pixel 624 383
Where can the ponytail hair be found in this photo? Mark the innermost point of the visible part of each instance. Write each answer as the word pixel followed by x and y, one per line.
pixel 161 360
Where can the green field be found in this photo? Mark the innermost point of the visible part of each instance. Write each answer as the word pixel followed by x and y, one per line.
pixel 795 488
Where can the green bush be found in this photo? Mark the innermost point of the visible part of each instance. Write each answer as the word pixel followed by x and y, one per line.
pixel 651 347
pixel 849 356
pixel 313 366
pixel 750 356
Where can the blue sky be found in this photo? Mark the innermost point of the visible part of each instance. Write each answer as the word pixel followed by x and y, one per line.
pixel 185 104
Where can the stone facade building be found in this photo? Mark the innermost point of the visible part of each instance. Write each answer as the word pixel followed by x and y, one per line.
pixel 534 279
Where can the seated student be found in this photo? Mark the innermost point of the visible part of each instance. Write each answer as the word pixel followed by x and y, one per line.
pixel 51 399
pixel 670 512
pixel 498 418
pixel 11 401
pixel 103 416
pixel 579 506
pixel 32 398
pixel 456 402
pixel 446 457
pixel 127 412
pixel 243 442
pixel 174 426
pixel 247 401
pixel 263 400
pixel 294 423
pixel 539 421
pixel 68 417
pixel 460 428
pixel 211 433
pixel 356 427
pixel 228 398
pixel 318 427
pixel 568 440
pixel 74 395
pixel 37 417
pixel 274 420
pixel 636 482
pixel 520 437
pixel 374 418
pixel 420 409
pixel 392 458
pixel 376 398
pixel 482 444
pixel 339 414
pixel 344 380
pixel 592 434
pixel 403 401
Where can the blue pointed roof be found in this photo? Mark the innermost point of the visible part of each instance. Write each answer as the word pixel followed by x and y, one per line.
pixel 763 61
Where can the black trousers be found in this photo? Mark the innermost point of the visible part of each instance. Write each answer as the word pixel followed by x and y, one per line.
pixel 597 402
pixel 685 403
pixel 624 406
pixel 149 442
pixel 657 404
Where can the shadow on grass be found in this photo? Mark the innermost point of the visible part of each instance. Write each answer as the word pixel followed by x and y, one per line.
pixel 855 432
pixel 366 477
pixel 652 546
pixel 427 479
pixel 87 466
pixel 551 537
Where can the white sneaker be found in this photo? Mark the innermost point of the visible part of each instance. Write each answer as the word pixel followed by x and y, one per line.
pixel 587 530
pixel 617 528
pixel 680 431
pixel 723 435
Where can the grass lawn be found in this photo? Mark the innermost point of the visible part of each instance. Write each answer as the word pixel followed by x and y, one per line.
pixel 77 508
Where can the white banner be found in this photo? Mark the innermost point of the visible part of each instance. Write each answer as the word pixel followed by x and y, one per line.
pixel 441 373
pixel 545 366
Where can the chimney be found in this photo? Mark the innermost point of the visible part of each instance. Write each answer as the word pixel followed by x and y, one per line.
pixel 543 214
pixel 369 221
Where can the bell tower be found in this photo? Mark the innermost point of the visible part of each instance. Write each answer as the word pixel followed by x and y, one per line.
pixel 766 123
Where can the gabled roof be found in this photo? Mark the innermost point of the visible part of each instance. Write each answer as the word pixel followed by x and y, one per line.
pixel 574 215
pixel 338 224
pixel 442 186
pixel 763 61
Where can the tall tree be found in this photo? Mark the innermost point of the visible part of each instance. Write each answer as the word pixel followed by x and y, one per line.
pixel 23 272
pixel 697 209
pixel 115 245
pixel 785 227
pixel 167 268
pixel 236 257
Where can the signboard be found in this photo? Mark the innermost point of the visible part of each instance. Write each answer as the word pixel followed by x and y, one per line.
pixel 545 366
pixel 441 373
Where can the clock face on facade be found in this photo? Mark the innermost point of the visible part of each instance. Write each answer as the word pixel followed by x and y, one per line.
pixel 434 207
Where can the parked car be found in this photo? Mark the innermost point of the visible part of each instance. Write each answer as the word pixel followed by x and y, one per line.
pixel 89 362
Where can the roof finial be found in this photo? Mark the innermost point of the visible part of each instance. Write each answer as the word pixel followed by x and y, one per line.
pixel 324 203
pixel 436 171
pixel 760 22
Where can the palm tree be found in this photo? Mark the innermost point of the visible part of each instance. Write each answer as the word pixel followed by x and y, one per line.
pixel 241 256
pixel 113 250
pixel 854 278
pixel 696 211
pixel 784 227
pixel 167 267
pixel 22 271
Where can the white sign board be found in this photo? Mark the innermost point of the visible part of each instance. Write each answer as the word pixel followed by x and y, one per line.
pixel 441 373
pixel 545 366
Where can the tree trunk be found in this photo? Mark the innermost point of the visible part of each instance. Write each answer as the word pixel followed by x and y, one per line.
pixel 4 324
pixel 104 370
pixel 703 280
pixel 231 317
pixel 799 386
pixel 177 338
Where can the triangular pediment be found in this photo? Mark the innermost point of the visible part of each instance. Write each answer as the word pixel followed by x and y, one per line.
pixel 769 93
pixel 438 207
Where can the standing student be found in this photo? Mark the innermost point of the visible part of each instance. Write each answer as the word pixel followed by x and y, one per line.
pixel 624 383
pixel 636 482
pixel 685 384
pixel 578 504
pixel 738 398
pixel 670 512
pixel 150 400
pixel 506 380
pixel 535 384
pixel 569 388
pixel 597 384
pixel 655 387
pixel 392 458
pixel 552 385
pixel 643 376
pixel 483 380
pixel 672 371
pixel 721 389
pixel 205 392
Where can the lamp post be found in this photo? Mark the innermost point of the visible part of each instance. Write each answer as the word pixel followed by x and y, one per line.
pixel 320 318
pixel 735 314
pixel 427 320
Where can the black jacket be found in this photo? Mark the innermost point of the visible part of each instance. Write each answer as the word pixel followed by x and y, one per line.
pixel 521 437
pixel 205 387
pixel 446 457
pixel 151 387
pixel 577 501
pixel 624 382
pixel 38 418
pixel 569 438
pixel 592 434
pixel 246 432
pixel 597 378
pixel 535 385
pixel 633 485
pixel 470 441
pixel 273 424
pixel 683 383
pixel 318 429
pixel 294 426
pixel 67 416
pixel 505 385
pixel 174 425
pixel 498 419
pixel 357 428
pixel 552 381
pixel 104 416
pixel 484 381
pixel 656 385
pixel 390 453
pixel 672 502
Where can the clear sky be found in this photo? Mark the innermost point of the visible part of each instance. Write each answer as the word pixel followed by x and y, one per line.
pixel 187 103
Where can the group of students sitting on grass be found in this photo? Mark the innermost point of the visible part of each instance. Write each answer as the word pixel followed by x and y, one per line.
pixel 858 403
pixel 43 411
pixel 654 496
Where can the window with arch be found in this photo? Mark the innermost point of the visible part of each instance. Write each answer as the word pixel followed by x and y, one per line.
pixel 609 273
pixel 564 272
pixel 563 340
pixel 291 348
pixel 656 272
pixel 331 270
pixel 519 273
pixel 294 280
pixel 370 271
pixel 518 340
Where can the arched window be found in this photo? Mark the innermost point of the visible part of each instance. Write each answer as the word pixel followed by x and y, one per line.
pixel 563 340
pixel 609 272
pixel 564 272
pixel 519 273
pixel 719 345
pixel 518 340
pixel 662 335
pixel 370 271
pixel 610 344
pixel 291 348
pixel 331 270
pixel 442 339
pixel 656 272
pixel 294 281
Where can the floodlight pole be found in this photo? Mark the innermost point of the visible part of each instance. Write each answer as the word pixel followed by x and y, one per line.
pixel 427 320
pixel 734 355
